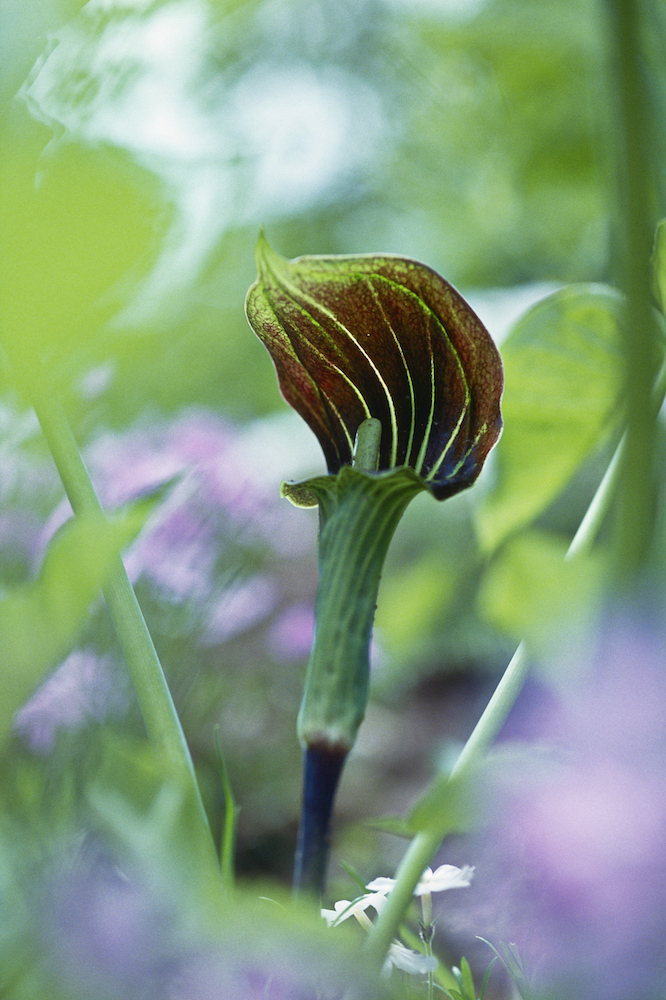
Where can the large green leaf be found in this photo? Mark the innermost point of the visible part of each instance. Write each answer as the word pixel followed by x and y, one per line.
pixel 39 621
pixel 563 370
pixel 531 592
pixel 77 232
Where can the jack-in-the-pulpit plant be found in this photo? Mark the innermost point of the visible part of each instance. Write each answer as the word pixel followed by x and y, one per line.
pixel 401 383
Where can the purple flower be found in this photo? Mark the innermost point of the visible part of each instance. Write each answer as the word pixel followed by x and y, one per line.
pixel 239 608
pixel 177 552
pixel 106 930
pixel 221 554
pixel 215 494
pixel 292 633
pixel 574 868
pixel 116 932
pixel 86 687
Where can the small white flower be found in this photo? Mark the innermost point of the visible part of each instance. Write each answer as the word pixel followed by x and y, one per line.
pixel 444 877
pixel 345 908
pixel 381 884
pixel 409 961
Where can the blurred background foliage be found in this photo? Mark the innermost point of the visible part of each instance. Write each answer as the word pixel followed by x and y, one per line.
pixel 143 144
pixel 472 136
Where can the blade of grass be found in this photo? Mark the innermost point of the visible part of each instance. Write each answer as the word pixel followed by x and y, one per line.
pixel 231 811
pixel 161 720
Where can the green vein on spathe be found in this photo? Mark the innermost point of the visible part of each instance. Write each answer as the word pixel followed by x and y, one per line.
pixel 396 339
pixel 350 440
pixel 424 443
pixel 281 283
pixel 308 298
pixel 467 452
pixel 328 361
pixel 438 464
pixel 286 341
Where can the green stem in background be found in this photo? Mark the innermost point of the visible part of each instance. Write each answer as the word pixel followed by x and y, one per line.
pixel 608 487
pixel 153 696
pixel 231 811
pixel 634 142
pixel 425 844
pixel 631 473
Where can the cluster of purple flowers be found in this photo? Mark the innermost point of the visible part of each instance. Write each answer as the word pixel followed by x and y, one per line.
pixel 220 550
pixel 113 931
pixel 572 870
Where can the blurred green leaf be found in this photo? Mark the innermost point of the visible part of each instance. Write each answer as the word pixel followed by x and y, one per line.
pixel 563 370
pixel 415 597
pixel 40 621
pixel 500 154
pixel 467 979
pixel 486 978
pixel 448 806
pixel 510 959
pixel 149 819
pixel 658 262
pixel 77 231
pixel 530 591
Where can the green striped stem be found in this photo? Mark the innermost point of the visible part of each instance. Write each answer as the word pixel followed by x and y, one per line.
pixel 358 514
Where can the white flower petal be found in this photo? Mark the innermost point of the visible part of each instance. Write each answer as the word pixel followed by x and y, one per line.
pixel 444 877
pixel 344 908
pixel 381 884
pixel 409 961
pixel 330 916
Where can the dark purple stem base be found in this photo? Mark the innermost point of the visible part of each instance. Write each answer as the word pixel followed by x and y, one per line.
pixel 321 774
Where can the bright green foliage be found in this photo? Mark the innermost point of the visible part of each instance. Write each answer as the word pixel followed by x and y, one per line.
pixel 659 265
pixel 500 155
pixel 450 806
pixel 73 222
pixel 563 391
pixel 465 979
pixel 40 621
pixel 529 590
pixel 414 598
pixel 487 164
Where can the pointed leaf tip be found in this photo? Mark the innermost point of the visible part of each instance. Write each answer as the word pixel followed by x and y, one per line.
pixel 262 248
pixel 384 337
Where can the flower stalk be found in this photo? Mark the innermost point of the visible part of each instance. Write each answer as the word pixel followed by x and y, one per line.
pixel 358 515
pixel 636 133
pixel 401 383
